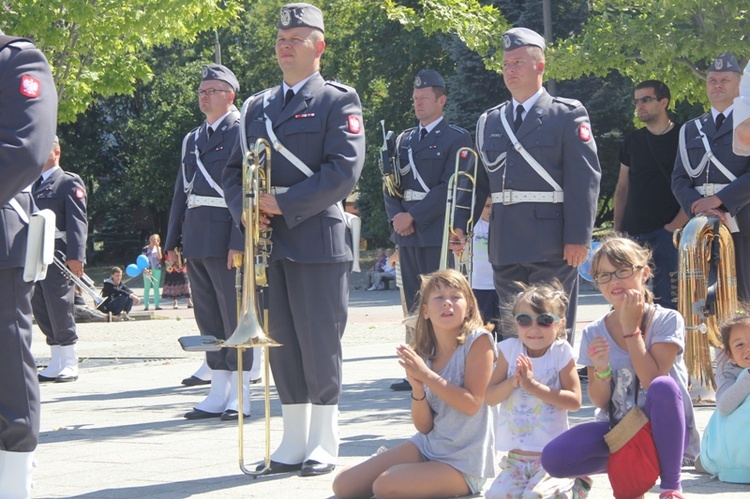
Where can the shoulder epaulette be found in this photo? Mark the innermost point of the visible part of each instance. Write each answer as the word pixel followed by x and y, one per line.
pixel 339 85
pixel 572 103
pixel 458 129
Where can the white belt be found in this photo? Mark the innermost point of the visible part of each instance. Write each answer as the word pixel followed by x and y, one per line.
pixel 195 201
pixel 278 190
pixel 709 189
pixel 61 234
pixel 509 196
pixel 410 195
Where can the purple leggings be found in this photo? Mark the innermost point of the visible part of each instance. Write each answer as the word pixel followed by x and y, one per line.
pixel 582 450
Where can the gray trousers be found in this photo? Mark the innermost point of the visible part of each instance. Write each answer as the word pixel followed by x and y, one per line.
pixel 506 278
pixel 215 307
pixel 415 261
pixel 53 308
pixel 19 388
pixel 308 309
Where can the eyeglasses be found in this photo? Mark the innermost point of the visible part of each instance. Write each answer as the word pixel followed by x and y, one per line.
pixel 644 100
pixel 623 273
pixel 543 320
pixel 210 91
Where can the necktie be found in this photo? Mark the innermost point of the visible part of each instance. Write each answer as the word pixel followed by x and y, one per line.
pixel 422 134
pixel 519 119
pixel 719 120
pixel 209 131
pixel 288 97
pixel 38 182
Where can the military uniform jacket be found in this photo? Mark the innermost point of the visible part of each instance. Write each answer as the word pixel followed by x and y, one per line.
pixel 435 160
pixel 64 194
pixel 322 126
pixel 207 231
pixel 28 118
pixel 557 133
pixel 736 195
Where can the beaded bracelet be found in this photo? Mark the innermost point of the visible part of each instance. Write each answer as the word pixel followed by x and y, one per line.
pixel 416 399
pixel 637 332
pixel 605 376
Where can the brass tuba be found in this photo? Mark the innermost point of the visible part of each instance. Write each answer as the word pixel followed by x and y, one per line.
pixel 707 289
pixel 462 261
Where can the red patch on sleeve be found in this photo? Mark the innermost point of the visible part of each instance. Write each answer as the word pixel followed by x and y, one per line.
pixel 354 124
pixel 464 154
pixel 584 132
pixel 30 86
pixel 80 194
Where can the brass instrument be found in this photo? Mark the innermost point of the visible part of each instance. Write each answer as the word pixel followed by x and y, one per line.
pixel 388 162
pixel 463 260
pixel 707 289
pixel 250 333
pixel 84 282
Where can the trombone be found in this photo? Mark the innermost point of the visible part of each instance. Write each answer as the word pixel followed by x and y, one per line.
pixel 84 282
pixel 250 332
pixel 462 260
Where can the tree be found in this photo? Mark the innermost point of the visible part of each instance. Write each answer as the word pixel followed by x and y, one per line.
pixel 97 48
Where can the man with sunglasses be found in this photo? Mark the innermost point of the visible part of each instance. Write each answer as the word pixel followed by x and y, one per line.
pixel 199 217
pixel 708 176
pixel 645 207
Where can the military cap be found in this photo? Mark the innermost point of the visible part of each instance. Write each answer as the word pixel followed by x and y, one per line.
pixel 522 37
pixel 221 73
pixel 296 15
pixel 428 78
pixel 725 62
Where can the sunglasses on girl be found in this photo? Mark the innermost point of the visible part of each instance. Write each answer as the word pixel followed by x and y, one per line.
pixel 543 320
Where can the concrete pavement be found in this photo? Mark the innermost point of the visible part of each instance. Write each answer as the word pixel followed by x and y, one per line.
pixel 118 432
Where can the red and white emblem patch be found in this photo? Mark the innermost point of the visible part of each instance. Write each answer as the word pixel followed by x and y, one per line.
pixel 80 194
pixel 584 132
pixel 30 86
pixel 464 154
pixel 354 125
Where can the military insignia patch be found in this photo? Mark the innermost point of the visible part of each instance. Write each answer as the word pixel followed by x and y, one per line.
pixel 464 154
pixel 354 124
pixel 285 17
pixel 719 63
pixel 80 194
pixel 30 86
pixel 417 82
pixel 506 41
pixel 584 132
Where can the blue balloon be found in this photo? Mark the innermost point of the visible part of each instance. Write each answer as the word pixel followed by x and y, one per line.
pixel 142 262
pixel 132 270
pixel 585 269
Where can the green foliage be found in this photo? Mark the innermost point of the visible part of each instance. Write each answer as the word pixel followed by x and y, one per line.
pixel 97 48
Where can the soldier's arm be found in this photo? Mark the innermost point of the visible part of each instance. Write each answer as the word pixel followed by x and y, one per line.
pixel 28 119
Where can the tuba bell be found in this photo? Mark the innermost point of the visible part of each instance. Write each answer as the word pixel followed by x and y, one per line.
pixel 706 289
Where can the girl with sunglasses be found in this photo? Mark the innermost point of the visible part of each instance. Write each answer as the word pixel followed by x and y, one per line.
pixel 536 384
pixel 627 355
pixel 448 366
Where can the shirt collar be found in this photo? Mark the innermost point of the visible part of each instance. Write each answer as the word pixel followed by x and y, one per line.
pixel 529 103
pixel 725 112
pixel 49 172
pixel 296 88
pixel 216 123
pixel 431 126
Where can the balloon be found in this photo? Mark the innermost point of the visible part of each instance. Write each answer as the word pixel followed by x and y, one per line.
pixel 141 262
pixel 132 270
pixel 585 269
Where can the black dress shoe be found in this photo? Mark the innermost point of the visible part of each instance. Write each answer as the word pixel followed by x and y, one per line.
pixel 198 414
pixel 314 468
pixel 44 379
pixel 195 381
pixel 401 386
pixel 232 415
pixel 279 468
pixel 256 381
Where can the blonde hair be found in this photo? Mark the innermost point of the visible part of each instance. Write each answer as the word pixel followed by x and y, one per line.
pixel 424 341
pixel 623 252
pixel 158 239
pixel 543 298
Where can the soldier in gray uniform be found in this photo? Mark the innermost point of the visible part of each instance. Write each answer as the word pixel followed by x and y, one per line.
pixel 319 151
pixel 708 176
pixel 199 216
pixel 28 119
pixel 426 161
pixel 531 147
pixel 63 193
